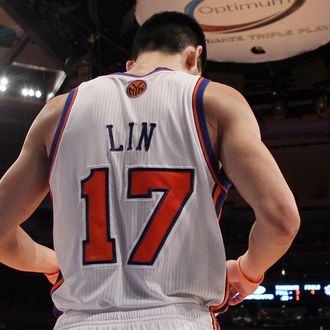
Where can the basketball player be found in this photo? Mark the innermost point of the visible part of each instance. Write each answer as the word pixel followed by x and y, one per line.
pixel 138 165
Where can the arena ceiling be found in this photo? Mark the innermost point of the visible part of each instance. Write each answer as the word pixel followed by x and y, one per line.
pixel 86 38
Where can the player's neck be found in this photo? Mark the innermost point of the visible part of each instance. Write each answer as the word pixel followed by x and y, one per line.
pixel 147 62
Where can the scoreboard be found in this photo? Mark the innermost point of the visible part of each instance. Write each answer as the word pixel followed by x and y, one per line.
pixel 292 292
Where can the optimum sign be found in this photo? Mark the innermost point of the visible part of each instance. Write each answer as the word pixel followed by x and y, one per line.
pixel 234 16
pixel 252 30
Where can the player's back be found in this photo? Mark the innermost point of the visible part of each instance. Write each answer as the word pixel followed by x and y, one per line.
pixel 137 194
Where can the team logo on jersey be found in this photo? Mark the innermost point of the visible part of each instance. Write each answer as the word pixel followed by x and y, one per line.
pixel 136 88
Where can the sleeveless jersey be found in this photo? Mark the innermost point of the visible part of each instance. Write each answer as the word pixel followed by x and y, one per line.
pixel 137 196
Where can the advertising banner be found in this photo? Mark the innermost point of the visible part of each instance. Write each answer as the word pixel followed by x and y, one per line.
pixel 250 31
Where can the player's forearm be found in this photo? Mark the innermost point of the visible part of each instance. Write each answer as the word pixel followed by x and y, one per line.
pixel 19 251
pixel 267 244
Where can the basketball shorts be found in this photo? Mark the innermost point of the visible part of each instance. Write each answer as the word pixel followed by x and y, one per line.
pixel 176 317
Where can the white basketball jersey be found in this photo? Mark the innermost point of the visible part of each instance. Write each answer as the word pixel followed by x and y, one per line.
pixel 137 196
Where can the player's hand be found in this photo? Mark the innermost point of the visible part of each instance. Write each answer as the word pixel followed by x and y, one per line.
pixel 240 286
pixel 52 277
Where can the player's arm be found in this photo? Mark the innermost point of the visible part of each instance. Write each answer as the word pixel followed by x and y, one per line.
pixel 22 189
pixel 259 181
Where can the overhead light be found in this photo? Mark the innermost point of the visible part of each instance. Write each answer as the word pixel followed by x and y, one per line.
pixel 280 109
pixel 31 92
pixel 321 106
pixel 3 81
pixel 3 84
pixel 50 96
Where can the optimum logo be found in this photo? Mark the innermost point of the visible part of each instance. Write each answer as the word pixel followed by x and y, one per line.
pixel 236 16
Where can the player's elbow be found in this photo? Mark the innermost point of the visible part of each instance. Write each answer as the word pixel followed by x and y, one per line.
pixel 289 223
pixel 283 216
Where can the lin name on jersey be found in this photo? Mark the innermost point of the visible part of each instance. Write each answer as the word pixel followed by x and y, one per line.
pixel 142 134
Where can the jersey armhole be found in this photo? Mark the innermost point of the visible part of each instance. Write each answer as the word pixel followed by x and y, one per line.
pixel 218 174
pixel 60 129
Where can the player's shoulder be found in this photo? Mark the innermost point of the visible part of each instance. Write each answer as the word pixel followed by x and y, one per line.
pixel 221 97
pixel 216 91
pixel 224 104
pixel 49 116
pixel 57 100
pixel 54 107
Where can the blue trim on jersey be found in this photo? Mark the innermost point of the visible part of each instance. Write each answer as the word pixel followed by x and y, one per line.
pixel 219 202
pixel 223 307
pixel 138 76
pixel 56 312
pixel 223 178
pixel 59 128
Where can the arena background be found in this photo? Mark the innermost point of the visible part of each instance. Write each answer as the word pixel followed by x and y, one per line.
pixel 47 47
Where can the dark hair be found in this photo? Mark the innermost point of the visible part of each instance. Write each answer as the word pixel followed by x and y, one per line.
pixel 169 32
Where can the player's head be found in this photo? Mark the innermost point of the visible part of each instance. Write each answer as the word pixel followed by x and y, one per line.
pixel 170 33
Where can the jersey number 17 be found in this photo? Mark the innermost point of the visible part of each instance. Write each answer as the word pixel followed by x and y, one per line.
pixel 99 247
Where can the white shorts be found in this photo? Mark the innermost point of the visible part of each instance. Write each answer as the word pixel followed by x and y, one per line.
pixel 176 317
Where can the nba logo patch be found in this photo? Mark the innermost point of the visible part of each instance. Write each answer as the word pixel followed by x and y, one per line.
pixel 136 88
